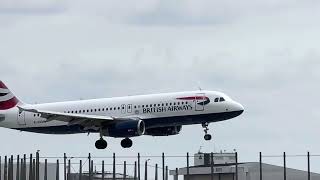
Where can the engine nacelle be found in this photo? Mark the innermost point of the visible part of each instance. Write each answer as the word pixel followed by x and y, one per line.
pixel 164 131
pixel 128 128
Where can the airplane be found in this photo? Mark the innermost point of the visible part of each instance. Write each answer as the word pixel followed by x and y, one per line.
pixel 119 117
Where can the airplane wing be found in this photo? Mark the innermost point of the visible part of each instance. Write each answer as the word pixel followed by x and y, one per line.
pixel 83 119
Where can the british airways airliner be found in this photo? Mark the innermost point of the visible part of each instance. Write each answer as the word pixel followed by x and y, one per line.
pixel 120 117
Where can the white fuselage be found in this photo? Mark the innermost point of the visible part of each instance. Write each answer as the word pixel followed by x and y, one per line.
pixel 156 110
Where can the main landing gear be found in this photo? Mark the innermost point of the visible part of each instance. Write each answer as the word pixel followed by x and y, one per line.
pixel 126 143
pixel 207 136
pixel 101 143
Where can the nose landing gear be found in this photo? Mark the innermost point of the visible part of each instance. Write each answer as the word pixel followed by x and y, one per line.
pixel 207 136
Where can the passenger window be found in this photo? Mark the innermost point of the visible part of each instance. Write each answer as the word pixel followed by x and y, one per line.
pixel 222 99
pixel 216 100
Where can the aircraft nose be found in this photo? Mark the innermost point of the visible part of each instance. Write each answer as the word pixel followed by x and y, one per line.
pixel 238 107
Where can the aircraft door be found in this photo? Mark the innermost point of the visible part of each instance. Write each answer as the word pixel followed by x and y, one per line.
pixel 199 98
pixel 21 118
pixel 123 109
pixel 129 108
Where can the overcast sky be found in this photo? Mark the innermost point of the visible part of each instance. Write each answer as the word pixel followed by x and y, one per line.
pixel 264 54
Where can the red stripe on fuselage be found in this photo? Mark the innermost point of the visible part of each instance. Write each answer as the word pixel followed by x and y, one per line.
pixel 193 98
pixel 9 104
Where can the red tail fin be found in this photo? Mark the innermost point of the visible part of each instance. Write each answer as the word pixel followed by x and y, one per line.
pixel 7 99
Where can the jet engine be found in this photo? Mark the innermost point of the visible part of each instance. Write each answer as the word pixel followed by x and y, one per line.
pixel 164 131
pixel 128 128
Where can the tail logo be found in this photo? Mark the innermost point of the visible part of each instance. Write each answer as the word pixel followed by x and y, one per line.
pixel 7 99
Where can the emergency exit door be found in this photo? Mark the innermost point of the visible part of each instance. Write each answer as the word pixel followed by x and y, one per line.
pixel 199 101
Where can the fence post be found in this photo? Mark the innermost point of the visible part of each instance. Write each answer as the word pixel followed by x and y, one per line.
pixel 37 165
pixel 18 168
pixel 139 166
pixel 80 170
pixel 146 170
pixel 260 165
pixel 11 167
pixel 114 167
pixel 176 177
pixel 5 170
pixel 284 166
pixel 237 166
pixel 124 170
pixel 34 169
pixel 30 167
pixel 309 166
pixel 211 165
pixel 69 169
pixel 102 170
pixel 163 168
pixel 188 166
pixel 156 172
pixel 21 169
pixel 45 169
pixel 135 171
pixel 92 173
pixel 167 173
pixel 65 166
pixel 25 167
pixel 89 164
pixel 57 170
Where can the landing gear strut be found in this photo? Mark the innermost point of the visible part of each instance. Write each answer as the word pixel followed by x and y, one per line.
pixel 126 143
pixel 101 143
pixel 207 136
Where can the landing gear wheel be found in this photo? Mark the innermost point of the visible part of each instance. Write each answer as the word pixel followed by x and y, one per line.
pixel 101 144
pixel 207 137
pixel 126 143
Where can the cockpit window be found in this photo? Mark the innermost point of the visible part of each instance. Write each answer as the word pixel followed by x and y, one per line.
pixel 222 99
pixel 216 100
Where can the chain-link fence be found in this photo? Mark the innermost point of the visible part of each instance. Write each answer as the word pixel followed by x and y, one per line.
pixel 144 167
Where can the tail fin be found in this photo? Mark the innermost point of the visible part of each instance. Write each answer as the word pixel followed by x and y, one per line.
pixel 7 99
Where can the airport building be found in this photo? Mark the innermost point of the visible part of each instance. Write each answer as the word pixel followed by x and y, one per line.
pixel 224 168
